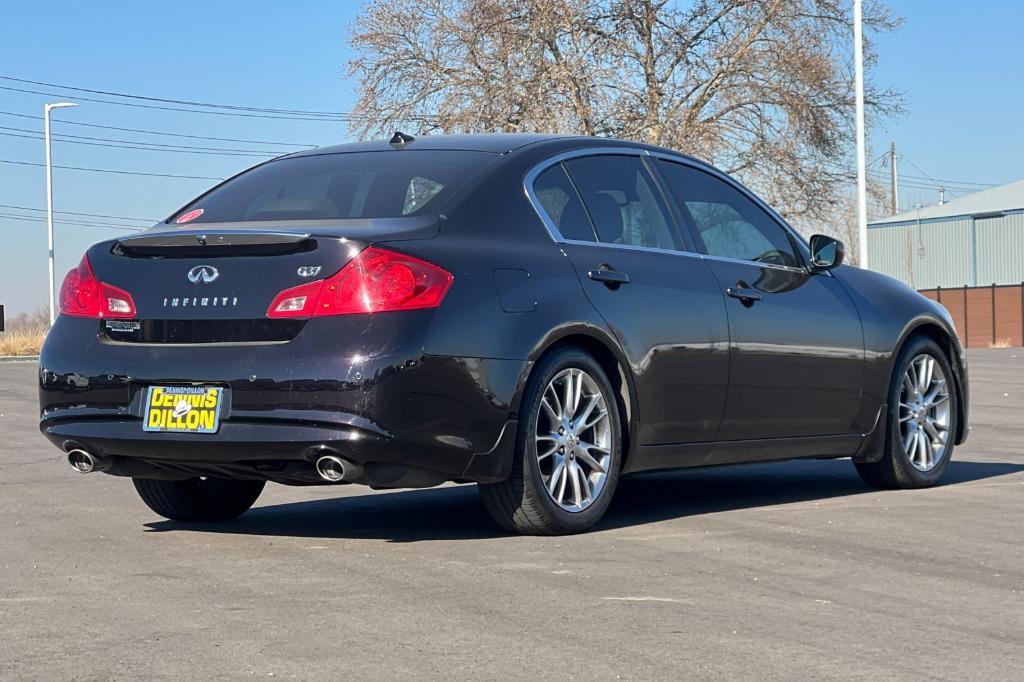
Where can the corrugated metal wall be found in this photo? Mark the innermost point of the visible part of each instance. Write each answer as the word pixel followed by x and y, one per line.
pixel 892 252
pixel 1000 249
pixel 953 252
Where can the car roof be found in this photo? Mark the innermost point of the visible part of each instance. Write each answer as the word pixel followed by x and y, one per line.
pixel 497 143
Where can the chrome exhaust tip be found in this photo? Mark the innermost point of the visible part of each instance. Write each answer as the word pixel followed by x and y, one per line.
pixel 84 462
pixel 335 470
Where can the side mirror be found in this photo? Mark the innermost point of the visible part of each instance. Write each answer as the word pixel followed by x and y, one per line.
pixel 826 252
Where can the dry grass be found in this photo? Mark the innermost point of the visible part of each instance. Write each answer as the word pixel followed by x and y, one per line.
pixel 25 333
pixel 21 342
pixel 1001 343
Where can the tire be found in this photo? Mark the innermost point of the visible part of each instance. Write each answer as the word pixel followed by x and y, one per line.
pixel 522 503
pixel 898 468
pixel 199 500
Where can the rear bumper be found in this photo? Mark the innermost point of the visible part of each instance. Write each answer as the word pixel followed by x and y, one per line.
pixel 354 386
pixel 280 451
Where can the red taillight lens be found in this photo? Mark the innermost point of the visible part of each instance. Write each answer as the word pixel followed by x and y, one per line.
pixel 375 281
pixel 296 302
pixel 82 295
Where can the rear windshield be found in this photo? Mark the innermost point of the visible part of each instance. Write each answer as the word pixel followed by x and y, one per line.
pixel 385 184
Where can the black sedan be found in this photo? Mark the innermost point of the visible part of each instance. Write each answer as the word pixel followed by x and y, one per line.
pixel 539 315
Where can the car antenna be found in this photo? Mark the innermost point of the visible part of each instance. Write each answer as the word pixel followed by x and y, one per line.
pixel 400 139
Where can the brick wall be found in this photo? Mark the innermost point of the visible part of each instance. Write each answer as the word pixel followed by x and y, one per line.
pixel 985 316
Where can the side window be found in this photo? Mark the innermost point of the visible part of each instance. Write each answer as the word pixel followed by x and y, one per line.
pixel 622 200
pixel 728 223
pixel 559 200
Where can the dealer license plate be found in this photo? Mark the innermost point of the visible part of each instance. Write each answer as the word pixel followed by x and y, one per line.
pixel 183 409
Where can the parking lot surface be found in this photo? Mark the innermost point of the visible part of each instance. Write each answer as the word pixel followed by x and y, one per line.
pixel 791 570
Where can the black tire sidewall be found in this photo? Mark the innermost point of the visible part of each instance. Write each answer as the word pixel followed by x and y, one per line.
pixel 530 413
pixel 906 473
pixel 197 501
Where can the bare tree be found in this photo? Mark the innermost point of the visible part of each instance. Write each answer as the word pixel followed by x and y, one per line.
pixel 761 88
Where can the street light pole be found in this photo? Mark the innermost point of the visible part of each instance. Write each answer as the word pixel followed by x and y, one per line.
pixel 862 182
pixel 47 108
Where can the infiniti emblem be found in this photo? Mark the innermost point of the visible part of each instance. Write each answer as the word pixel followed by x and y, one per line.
pixel 203 273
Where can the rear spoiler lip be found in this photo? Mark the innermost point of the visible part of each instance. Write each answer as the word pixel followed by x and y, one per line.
pixel 287 231
pixel 218 237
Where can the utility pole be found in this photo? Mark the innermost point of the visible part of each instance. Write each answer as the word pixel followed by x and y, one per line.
pixel 862 179
pixel 895 180
pixel 49 195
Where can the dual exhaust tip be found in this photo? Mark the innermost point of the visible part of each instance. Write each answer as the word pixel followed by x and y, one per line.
pixel 334 469
pixel 85 462
pixel 330 468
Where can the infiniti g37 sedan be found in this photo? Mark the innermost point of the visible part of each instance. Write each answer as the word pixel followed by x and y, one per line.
pixel 538 315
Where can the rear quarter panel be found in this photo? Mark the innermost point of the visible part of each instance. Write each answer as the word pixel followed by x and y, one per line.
pixel 514 293
pixel 491 231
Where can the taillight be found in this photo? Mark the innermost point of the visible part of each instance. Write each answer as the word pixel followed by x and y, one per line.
pixel 82 295
pixel 375 281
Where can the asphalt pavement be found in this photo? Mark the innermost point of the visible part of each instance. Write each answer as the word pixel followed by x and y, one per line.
pixel 777 571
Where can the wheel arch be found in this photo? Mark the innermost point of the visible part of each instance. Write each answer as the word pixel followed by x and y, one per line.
pixel 945 336
pixel 605 350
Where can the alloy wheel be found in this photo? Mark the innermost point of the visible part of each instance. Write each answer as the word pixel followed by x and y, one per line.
pixel 574 440
pixel 924 412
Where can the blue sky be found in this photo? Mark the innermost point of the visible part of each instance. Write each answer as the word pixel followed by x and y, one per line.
pixel 953 61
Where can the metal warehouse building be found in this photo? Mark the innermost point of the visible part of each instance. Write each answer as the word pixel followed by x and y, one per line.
pixel 976 240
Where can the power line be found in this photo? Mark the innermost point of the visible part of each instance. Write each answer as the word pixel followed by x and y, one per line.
pixel 89 215
pixel 191 103
pixel 223 109
pixel 334 118
pixel 260 152
pixel 143 148
pixel 110 170
pixel 882 156
pixel 916 182
pixel 103 226
pixel 947 183
pixel 158 132
pixel 939 183
pixel 90 223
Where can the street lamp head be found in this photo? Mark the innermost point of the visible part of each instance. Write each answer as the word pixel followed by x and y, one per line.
pixel 59 105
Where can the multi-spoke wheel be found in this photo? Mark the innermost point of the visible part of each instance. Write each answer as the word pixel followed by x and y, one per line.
pixel 573 440
pixel 568 450
pixel 924 412
pixel 921 420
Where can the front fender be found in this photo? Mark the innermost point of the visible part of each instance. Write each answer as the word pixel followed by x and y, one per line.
pixel 890 313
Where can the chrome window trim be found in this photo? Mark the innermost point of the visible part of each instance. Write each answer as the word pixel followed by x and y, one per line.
pixel 773 266
pixel 631 247
pixel 531 177
pixel 557 238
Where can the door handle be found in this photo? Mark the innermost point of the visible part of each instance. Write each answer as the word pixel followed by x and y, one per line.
pixel 608 276
pixel 746 295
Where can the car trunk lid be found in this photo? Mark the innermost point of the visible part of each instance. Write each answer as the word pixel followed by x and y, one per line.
pixel 186 282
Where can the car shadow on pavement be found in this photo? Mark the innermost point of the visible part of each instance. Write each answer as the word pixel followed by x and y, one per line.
pixel 456 513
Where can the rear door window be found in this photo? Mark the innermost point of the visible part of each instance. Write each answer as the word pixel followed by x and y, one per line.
pixel 386 184
pixel 623 201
